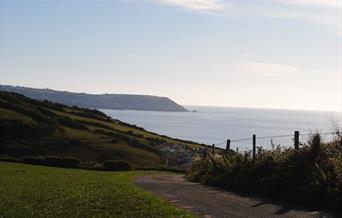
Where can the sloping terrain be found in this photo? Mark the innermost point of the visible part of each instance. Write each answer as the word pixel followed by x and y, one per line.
pixel 30 127
pixel 102 101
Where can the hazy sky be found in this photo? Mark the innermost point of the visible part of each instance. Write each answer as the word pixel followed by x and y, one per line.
pixel 266 53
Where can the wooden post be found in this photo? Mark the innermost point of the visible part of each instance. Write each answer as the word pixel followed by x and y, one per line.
pixel 205 151
pixel 254 146
pixel 296 140
pixel 213 148
pixel 228 145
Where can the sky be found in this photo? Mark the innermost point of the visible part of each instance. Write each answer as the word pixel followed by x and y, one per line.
pixel 266 53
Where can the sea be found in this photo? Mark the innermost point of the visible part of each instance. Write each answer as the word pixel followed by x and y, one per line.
pixel 215 125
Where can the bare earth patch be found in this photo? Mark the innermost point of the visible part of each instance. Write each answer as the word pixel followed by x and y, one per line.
pixel 210 202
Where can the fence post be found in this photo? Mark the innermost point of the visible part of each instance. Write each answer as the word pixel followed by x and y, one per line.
pixel 228 145
pixel 296 140
pixel 254 146
pixel 213 148
pixel 205 151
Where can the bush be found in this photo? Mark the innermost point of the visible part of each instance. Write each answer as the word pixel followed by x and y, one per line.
pixel 156 141
pixel 34 160
pixel 9 159
pixel 117 165
pixel 18 150
pixel 312 174
pixel 16 130
pixel 62 162
pixel 70 162
pixel 68 122
pixel 52 161
pixel 107 155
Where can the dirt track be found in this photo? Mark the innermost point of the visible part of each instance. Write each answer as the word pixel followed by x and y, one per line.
pixel 211 202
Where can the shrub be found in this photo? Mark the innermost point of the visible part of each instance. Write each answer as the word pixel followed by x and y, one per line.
pixel 312 174
pixel 34 160
pixel 117 165
pixel 62 162
pixel 89 113
pixel 139 144
pixel 107 155
pixel 68 122
pixel 70 162
pixel 52 161
pixel 16 129
pixel 156 141
pixel 9 159
pixel 18 150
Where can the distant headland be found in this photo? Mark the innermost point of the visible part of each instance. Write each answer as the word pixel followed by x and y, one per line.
pixel 99 101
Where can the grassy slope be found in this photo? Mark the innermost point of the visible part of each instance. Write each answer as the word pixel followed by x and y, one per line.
pixel 36 191
pixel 6 114
pixel 102 138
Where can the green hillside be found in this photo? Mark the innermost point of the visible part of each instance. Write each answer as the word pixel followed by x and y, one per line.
pixel 40 128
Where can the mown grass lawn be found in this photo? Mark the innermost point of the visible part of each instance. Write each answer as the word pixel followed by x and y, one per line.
pixel 37 191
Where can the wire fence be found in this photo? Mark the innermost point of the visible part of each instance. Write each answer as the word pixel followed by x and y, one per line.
pixel 247 144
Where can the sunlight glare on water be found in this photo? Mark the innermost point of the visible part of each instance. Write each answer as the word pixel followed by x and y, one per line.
pixel 217 124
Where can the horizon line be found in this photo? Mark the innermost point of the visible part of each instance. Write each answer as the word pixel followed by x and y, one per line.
pixel 184 105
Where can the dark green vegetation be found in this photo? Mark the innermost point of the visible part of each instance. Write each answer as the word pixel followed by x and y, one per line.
pixel 42 132
pixel 104 101
pixel 311 175
pixel 37 191
pixel 117 165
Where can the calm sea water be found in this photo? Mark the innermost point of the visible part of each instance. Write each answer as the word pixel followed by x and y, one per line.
pixel 213 125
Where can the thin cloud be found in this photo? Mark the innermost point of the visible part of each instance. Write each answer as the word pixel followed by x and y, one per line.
pixel 322 3
pixel 195 5
pixel 268 69
pixel 325 13
pixel 331 22
pixel 53 2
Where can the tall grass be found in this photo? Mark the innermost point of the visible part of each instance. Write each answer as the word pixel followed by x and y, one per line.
pixel 311 175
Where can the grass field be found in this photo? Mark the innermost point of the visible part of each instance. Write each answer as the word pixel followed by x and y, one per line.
pixel 37 191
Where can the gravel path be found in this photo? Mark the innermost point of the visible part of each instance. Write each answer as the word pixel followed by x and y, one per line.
pixel 211 202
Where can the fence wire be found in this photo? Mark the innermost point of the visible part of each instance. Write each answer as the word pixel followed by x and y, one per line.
pixel 302 135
